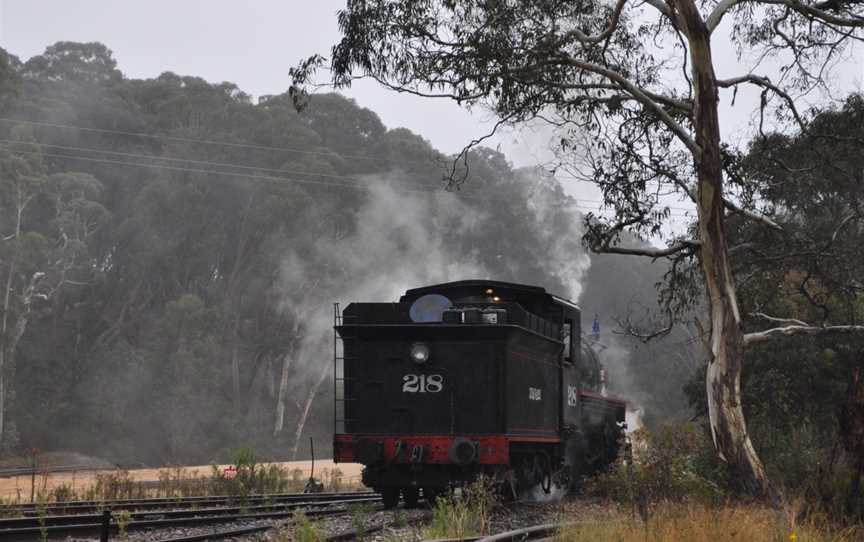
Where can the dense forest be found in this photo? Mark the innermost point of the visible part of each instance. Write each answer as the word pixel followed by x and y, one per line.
pixel 171 251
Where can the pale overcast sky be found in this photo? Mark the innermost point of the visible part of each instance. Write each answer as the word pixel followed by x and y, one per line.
pixel 253 44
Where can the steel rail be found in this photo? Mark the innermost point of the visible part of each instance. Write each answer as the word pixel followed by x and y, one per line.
pixel 215 535
pixel 336 537
pixel 72 519
pixel 527 533
pixel 205 497
pixel 176 502
pixel 84 529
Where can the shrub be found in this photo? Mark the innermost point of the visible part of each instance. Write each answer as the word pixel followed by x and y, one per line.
pixel 123 518
pixel 304 530
pixel 673 464
pixel 332 479
pixel 249 477
pixel 297 481
pixel 115 485
pixel 464 515
pixel 61 493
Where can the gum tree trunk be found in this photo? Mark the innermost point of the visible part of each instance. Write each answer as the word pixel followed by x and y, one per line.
pixel 9 338
pixel 304 415
pixel 279 421
pixel 4 346
pixel 723 381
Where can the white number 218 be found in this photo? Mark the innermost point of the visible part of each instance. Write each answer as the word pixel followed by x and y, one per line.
pixel 422 383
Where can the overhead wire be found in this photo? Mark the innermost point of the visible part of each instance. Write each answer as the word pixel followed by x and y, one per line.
pixel 260 147
pixel 246 167
pixel 180 138
pixel 187 160
pixel 471 194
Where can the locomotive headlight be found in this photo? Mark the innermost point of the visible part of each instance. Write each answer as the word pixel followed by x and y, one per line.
pixel 420 353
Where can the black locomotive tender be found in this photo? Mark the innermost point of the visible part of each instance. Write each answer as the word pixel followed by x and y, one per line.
pixel 467 378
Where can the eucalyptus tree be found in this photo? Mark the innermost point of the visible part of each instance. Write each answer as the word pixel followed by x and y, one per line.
pixel 46 223
pixel 813 274
pixel 634 90
pixel 22 178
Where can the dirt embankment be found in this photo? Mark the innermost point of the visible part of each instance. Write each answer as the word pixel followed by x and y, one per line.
pixel 18 487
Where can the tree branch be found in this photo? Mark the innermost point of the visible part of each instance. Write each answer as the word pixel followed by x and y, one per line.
pixel 765 83
pixel 816 13
pixel 793 321
pixel 717 15
pixel 797 330
pixel 645 336
pixel 661 7
pixel 604 248
pixel 751 215
pixel 642 97
pixel 602 36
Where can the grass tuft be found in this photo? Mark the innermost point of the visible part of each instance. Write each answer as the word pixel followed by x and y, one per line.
pixel 705 523
pixel 463 515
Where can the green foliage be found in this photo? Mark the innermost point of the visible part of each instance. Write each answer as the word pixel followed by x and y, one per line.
pixel 796 391
pixel 675 463
pixel 249 477
pixel 62 493
pixel 359 514
pixel 122 517
pixel 10 82
pixel 458 516
pixel 304 530
pixel 74 62
pixel 115 485
pixel 398 518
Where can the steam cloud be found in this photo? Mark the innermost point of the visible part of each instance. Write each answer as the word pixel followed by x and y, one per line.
pixel 400 242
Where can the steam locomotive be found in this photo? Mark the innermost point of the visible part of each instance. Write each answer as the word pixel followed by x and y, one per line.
pixel 467 378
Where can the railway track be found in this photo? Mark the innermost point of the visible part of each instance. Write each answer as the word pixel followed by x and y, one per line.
pixel 82 507
pixel 194 513
pixel 537 533
pixel 343 536
pixel 215 535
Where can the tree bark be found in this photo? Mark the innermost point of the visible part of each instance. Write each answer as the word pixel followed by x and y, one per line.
pixel 4 346
pixel 283 391
pixel 304 414
pixel 723 380
pixel 297 330
pixel 7 344
pixel 235 366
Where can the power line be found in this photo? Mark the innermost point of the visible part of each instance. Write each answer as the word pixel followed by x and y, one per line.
pixel 195 170
pixel 189 160
pixel 274 178
pixel 185 139
pixel 241 166
pixel 559 177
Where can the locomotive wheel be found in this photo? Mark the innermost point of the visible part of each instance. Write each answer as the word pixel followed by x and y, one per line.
pixel 411 496
pixel 390 496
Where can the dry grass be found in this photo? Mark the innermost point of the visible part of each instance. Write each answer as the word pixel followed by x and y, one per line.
pixel 700 523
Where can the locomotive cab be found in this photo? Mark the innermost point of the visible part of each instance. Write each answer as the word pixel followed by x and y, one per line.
pixel 467 378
